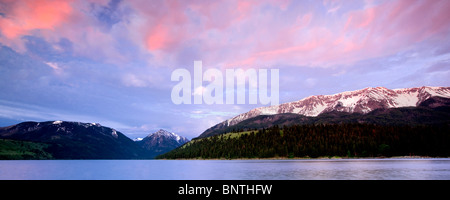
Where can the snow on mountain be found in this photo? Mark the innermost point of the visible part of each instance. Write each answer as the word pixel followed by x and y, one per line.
pixel 161 142
pixel 57 122
pixel 168 135
pixel 359 101
pixel 163 136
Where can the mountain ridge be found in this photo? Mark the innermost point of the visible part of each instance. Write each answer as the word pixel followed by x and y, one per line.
pixel 359 101
pixel 74 140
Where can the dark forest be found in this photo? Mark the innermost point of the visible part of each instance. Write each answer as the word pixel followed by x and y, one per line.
pixel 341 140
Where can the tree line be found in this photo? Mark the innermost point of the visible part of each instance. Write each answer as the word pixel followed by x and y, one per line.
pixel 317 140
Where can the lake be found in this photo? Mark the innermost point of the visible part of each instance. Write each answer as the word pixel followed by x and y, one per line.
pixel 308 169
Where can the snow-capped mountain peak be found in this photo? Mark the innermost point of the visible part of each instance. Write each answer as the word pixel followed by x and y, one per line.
pixel 162 141
pixel 167 135
pixel 162 132
pixel 358 101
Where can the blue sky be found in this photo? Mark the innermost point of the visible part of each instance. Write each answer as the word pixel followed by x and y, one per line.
pixel 111 61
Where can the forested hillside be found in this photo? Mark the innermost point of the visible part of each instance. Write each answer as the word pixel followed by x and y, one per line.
pixel 344 140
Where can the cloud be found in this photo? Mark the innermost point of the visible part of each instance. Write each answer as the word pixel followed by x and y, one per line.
pixel 24 16
pixel 56 68
pixel 374 31
pixel 333 10
pixel 227 33
pixel 394 26
pixel 79 23
pixel 134 81
pixel 442 66
pixel 197 114
pixel 21 18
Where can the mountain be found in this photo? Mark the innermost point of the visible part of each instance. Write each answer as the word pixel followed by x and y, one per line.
pixel 353 104
pixel 75 140
pixel 161 142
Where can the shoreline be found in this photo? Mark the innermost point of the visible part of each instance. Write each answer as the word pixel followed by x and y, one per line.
pixel 318 158
pixel 271 158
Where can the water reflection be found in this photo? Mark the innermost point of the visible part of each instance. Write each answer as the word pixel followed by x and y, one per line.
pixel 345 169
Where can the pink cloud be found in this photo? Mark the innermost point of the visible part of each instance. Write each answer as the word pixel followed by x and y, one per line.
pixel 25 16
pixel 226 33
pixel 162 24
pixel 221 15
pixel 168 24
pixel 158 38
pixel 395 26
pixel 55 19
pixel 374 31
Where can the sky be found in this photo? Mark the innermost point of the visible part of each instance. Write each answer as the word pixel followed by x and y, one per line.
pixel 110 61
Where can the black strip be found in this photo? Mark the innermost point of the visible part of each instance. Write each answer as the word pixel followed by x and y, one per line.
pixel 228 189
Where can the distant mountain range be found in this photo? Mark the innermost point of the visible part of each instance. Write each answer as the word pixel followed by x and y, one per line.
pixel 76 140
pixel 370 105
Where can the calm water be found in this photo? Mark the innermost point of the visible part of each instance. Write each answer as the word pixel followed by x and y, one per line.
pixel 227 169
